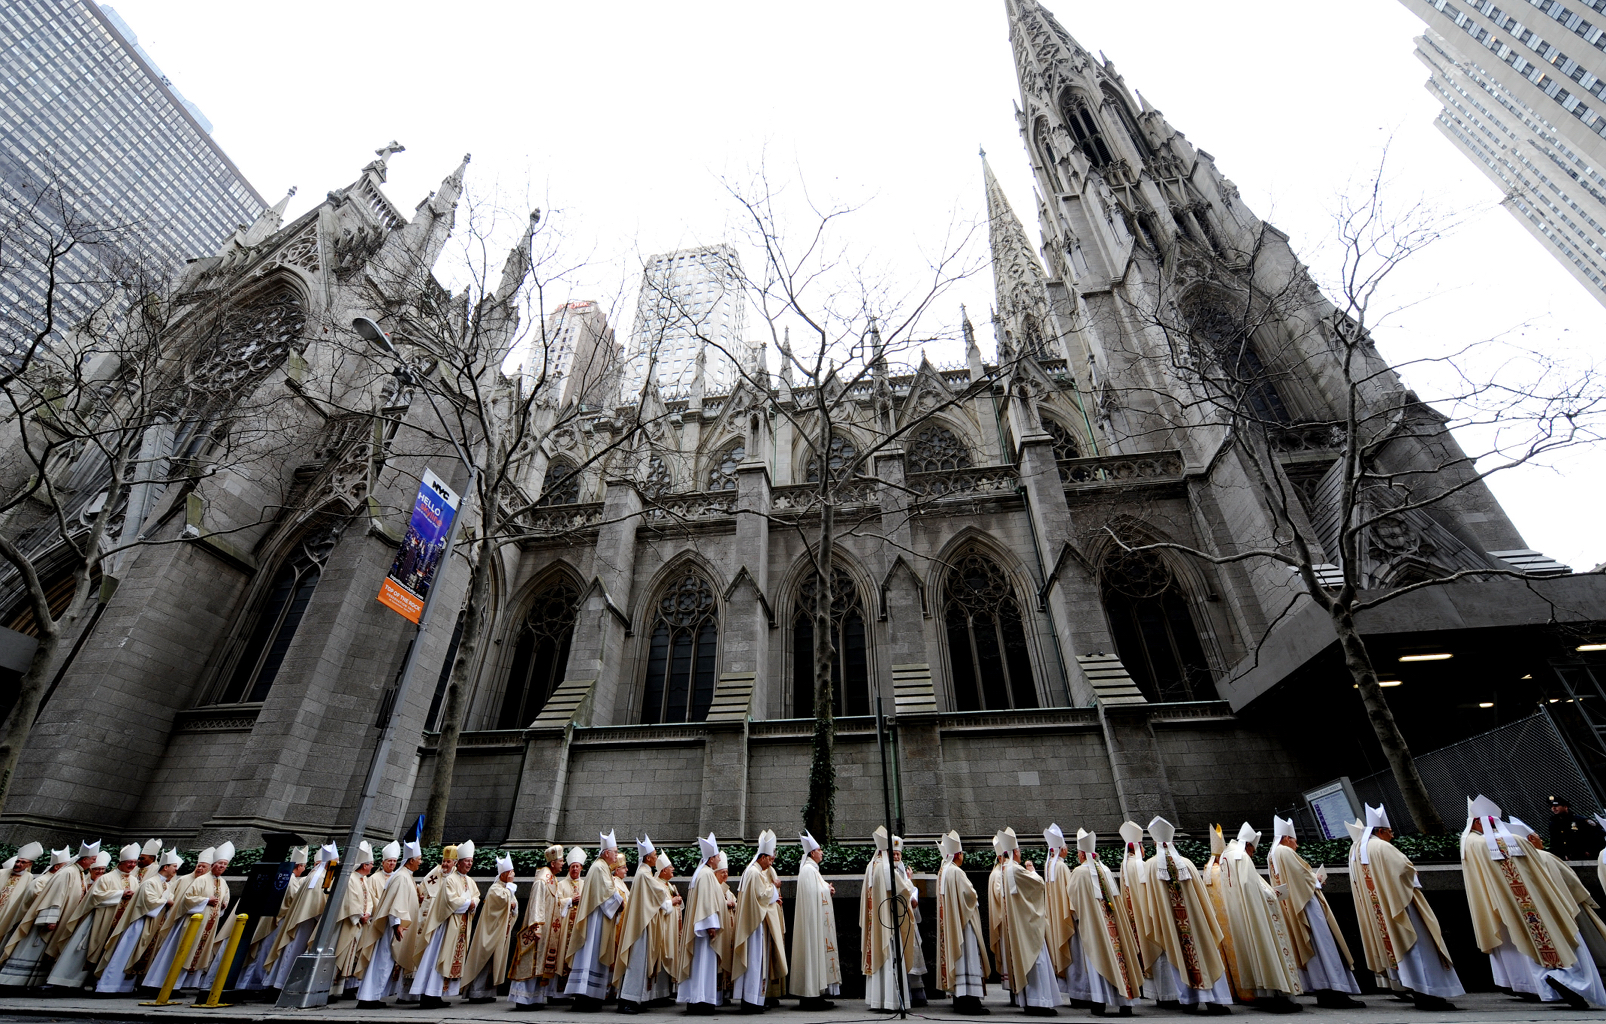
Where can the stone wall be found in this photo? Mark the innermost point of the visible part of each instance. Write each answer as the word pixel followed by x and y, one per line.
pixel 1022 769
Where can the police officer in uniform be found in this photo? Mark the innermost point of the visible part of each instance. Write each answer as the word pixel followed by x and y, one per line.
pixel 1573 837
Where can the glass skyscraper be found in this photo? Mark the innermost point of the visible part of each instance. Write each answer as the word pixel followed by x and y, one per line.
pixel 1523 84
pixel 89 122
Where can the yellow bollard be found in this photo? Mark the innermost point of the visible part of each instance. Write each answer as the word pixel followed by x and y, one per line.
pixel 223 966
pixel 185 945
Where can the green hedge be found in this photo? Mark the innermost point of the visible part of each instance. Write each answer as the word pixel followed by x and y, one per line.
pixel 841 859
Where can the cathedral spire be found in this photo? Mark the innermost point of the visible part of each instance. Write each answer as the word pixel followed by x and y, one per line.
pixel 418 243
pixel 269 221
pixel 1018 278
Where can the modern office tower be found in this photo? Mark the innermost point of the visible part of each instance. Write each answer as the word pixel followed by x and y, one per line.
pixel 577 355
pixel 691 305
pixel 89 122
pixel 1524 94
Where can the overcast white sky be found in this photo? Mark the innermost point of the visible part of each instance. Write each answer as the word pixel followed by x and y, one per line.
pixel 622 116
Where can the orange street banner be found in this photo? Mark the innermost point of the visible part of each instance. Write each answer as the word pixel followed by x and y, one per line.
pixel 406 587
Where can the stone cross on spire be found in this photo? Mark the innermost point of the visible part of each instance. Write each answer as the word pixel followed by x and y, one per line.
pixel 385 152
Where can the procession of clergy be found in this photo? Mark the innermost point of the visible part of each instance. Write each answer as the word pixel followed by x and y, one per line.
pixel 1163 928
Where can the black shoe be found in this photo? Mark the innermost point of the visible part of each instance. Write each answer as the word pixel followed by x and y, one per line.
pixel 431 1002
pixel 1214 1010
pixel 626 1006
pixel 1096 1009
pixel 700 1009
pixel 1337 1001
pixel 771 1003
pixel 370 1004
pixel 748 1007
pixel 1432 1003
pixel 1167 1004
pixel 970 1006
pixel 815 1003
pixel 483 999
pixel 587 1004
pixel 1573 1000
pixel 527 1007
pixel 1041 1011
pixel 1125 1011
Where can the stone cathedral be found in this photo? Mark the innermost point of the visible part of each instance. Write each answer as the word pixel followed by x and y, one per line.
pixel 646 665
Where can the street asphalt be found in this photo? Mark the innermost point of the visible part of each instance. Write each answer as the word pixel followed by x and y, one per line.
pixel 1483 1006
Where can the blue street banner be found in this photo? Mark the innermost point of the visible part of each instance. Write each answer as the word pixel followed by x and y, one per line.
pixel 406 587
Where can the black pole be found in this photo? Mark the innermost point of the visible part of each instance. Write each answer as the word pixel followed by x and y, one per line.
pixel 892 877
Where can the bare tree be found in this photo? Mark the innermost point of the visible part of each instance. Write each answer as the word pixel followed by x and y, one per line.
pixel 1376 521
pixel 455 347
pixel 858 352
pixel 119 399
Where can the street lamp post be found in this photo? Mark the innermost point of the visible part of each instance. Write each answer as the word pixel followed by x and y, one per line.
pixel 312 976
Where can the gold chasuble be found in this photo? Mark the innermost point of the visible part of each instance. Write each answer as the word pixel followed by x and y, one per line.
pixel 647 902
pixel 16 891
pixel 1131 879
pixel 106 903
pixel 957 906
pixel 351 954
pixel 1296 880
pixel 414 941
pixel 209 939
pixel 1025 922
pixel 63 891
pixel 1108 940
pixel 756 905
pixel 526 962
pixel 1260 942
pixel 454 889
pixel 491 934
pixel 705 899
pixel 398 899
pixel 565 912
pixel 815 963
pixel 1511 889
pixel 1212 877
pixel 1182 924
pixel 596 889
pixel 1589 922
pixel 664 933
pixel 875 917
pixel 308 906
pixel 1060 923
pixel 152 893
pixel 1384 889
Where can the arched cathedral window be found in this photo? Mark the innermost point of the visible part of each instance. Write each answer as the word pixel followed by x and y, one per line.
pixel 850 669
pixel 1123 113
pixel 1153 630
pixel 986 637
pixel 540 655
pixel 561 485
pixel 275 621
pixel 657 481
pixel 722 477
pixel 1229 342
pixel 249 344
pixel 681 659
pixel 1066 448
pixel 1086 131
pixel 935 449
pixel 1033 340
pixel 840 455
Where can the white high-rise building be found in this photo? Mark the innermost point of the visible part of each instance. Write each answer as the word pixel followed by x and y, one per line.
pixel 1523 83
pixel 575 354
pixel 691 304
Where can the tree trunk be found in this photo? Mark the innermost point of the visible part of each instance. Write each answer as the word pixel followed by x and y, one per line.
pixel 452 703
pixel 1359 662
pixel 19 723
pixel 821 807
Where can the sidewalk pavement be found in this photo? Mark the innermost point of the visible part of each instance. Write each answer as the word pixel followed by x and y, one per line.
pixel 1475 1007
